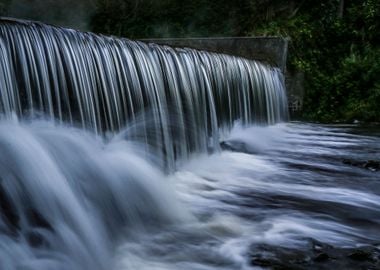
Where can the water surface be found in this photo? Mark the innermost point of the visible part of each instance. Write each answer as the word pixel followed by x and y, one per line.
pixel 80 201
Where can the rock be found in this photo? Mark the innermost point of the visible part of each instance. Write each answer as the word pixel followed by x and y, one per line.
pixel 319 246
pixel 227 146
pixel 235 147
pixel 361 255
pixel 315 256
pixel 372 165
pixel 262 261
pixel 321 257
pixel 279 258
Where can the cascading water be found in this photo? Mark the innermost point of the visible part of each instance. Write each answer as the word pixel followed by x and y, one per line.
pixel 104 83
pixel 69 195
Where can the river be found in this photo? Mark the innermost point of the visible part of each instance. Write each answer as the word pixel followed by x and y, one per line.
pixel 105 203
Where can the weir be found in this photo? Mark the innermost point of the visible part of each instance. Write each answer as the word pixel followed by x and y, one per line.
pixel 179 98
pixel 270 50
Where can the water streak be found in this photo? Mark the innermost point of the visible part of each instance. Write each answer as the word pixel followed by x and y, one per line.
pixel 104 83
pixel 72 197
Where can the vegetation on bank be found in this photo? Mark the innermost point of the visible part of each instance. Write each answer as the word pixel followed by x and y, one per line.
pixel 335 43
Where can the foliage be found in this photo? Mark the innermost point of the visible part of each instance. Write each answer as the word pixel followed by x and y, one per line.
pixel 165 18
pixel 334 42
pixel 340 57
pixel 339 53
pixel 4 5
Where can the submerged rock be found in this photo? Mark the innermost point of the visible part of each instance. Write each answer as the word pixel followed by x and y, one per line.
pixel 316 255
pixel 361 255
pixel 372 165
pixel 235 146
pixel 321 257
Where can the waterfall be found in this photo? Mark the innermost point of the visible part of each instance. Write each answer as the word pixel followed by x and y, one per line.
pixel 102 83
pixel 79 111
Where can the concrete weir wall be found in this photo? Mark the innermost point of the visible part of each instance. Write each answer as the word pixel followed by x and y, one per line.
pixel 271 50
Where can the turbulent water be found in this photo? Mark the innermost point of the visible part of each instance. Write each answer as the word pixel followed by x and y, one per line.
pixel 119 155
pixel 105 205
pixel 102 83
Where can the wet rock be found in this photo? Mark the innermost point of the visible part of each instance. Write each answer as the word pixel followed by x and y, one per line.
pixel 279 258
pixel 361 255
pixel 257 260
pixel 273 263
pixel 372 165
pixel 315 256
pixel 321 257
pixel 226 146
pixel 235 146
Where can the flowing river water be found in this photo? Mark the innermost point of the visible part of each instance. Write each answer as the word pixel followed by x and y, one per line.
pixel 107 205
pixel 282 187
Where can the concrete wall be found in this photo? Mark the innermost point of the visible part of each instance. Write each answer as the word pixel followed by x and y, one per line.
pixel 295 91
pixel 272 50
